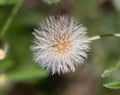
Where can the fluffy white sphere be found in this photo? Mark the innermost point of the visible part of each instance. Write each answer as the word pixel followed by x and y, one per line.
pixel 60 44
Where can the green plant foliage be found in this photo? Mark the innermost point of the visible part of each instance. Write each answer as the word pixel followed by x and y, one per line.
pixel 98 16
pixel 109 71
pixel 113 85
pixel 26 74
pixel 24 68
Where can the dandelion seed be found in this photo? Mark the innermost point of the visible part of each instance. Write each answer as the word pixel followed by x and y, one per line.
pixel 60 44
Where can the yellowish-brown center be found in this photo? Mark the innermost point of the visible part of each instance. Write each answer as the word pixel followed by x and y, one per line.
pixel 61 45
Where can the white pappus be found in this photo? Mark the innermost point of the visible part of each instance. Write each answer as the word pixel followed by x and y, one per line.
pixel 60 44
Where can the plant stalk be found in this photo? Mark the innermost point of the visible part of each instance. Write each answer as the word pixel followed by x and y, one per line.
pixel 102 36
pixel 10 18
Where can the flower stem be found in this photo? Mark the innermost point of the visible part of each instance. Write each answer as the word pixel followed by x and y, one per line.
pixel 103 35
pixel 10 18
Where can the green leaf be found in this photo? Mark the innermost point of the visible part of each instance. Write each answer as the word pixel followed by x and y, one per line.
pixel 113 85
pixel 25 75
pixel 109 71
pixel 4 2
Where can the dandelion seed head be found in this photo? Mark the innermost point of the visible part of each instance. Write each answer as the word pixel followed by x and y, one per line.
pixel 60 44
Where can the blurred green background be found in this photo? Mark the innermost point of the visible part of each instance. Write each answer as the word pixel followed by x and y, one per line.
pixel 19 75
